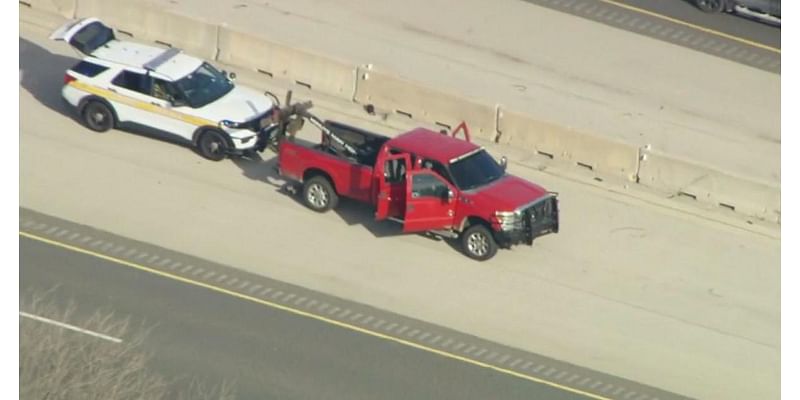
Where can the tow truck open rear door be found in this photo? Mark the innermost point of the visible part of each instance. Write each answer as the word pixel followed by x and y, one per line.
pixel 390 174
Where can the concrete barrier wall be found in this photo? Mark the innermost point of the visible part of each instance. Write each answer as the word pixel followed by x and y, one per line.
pixel 65 8
pixel 604 156
pixel 685 178
pixel 152 24
pixel 307 69
pixel 389 92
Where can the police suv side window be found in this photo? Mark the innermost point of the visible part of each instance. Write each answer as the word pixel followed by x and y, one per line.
pixel 133 81
pixel 89 69
pixel 165 90
pixel 427 185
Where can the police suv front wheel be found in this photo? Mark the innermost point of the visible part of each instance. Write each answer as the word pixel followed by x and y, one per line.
pixel 212 145
pixel 97 116
pixel 478 243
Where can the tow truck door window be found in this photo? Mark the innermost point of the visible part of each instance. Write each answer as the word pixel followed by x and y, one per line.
pixel 391 178
pixel 428 206
pixel 438 168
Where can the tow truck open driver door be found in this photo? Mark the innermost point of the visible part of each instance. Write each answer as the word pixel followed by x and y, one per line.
pixel 429 204
pixel 390 172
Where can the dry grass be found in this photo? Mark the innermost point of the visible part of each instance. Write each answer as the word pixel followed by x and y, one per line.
pixel 55 363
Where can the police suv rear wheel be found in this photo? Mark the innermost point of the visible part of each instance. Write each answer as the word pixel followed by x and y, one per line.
pixel 478 243
pixel 318 194
pixel 97 116
pixel 212 145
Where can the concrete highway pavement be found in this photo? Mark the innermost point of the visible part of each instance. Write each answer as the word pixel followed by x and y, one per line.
pixel 682 24
pixel 266 353
pixel 548 64
pixel 727 23
pixel 629 288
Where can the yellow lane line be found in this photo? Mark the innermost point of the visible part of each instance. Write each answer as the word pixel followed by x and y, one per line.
pixel 693 26
pixel 311 315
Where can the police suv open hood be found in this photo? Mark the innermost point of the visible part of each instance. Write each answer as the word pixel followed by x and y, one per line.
pixel 507 193
pixel 241 104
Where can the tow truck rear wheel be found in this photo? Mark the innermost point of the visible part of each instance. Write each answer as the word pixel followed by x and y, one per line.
pixel 319 195
pixel 478 243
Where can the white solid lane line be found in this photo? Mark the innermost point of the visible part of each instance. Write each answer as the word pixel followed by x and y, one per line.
pixel 70 327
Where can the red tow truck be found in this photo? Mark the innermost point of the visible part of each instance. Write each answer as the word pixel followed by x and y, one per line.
pixel 425 180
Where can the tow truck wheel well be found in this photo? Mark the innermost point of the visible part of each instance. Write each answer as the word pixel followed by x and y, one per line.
pixel 473 220
pixel 312 172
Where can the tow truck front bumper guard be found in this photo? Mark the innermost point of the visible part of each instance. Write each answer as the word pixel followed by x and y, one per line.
pixel 537 219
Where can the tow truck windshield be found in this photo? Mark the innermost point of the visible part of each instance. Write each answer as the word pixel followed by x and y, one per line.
pixel 203 86
pixel 475 170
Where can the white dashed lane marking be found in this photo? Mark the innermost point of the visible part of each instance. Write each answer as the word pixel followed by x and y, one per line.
pixel 70 327
pixel 365 319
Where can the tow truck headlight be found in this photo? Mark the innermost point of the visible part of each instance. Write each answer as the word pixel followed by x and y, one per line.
pixel 509 220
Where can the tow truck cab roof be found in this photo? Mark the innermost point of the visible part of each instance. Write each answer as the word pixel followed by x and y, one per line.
pixel 428 144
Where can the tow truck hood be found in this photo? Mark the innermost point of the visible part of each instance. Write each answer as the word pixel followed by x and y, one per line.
pixel 508 193
pixel 239 105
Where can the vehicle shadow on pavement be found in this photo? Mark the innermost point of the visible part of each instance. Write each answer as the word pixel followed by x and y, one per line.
pixel 42 75
pixel 263 168
pixel 355 213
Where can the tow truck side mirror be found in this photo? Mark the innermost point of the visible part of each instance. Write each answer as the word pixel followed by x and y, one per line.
pixel 503 163
pixel 450 195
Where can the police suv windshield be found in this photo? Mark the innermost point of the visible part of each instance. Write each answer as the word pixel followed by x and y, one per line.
pixel 205 85
pixel 475 170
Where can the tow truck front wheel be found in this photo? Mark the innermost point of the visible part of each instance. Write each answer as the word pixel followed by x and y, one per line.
pixel 478 243
pixel 318 194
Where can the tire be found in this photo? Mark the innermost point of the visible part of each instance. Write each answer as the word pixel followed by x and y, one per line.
pixel 212 145
pixel 710 6
pixel 319 195
pixel 478 243
pixel 97 116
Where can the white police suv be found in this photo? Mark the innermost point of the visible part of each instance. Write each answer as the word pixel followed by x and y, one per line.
pixel 121 81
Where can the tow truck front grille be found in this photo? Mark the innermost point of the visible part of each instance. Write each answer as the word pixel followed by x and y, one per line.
pixel 541 217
